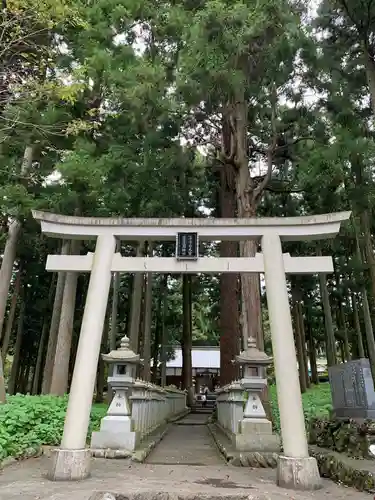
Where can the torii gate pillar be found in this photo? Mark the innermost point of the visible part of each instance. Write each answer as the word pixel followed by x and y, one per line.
pixel 296 469
pixel 72 460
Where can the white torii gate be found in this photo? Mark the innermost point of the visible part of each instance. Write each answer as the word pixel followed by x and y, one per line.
pixel 270 231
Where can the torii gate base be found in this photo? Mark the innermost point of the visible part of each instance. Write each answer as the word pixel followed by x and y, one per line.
pixel 295 468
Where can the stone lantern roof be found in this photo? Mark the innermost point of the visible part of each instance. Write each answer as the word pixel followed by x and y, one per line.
pixel 122 354
pixel 253 356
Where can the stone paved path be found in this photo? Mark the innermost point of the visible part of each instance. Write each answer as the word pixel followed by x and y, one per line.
pixel 188 442
pixel 25 481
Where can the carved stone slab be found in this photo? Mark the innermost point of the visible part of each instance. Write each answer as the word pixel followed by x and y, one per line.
pixel 352 388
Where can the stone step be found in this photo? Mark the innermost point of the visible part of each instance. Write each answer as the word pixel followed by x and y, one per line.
pixel 208 403
pixel 200 411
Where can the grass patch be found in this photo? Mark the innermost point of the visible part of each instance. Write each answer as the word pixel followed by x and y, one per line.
pixel 316 401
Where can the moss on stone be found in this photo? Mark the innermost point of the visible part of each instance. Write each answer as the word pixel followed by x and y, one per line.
pixel 341 470
pixel 343 435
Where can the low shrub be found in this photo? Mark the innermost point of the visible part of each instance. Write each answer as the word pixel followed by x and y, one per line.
pixel 31 421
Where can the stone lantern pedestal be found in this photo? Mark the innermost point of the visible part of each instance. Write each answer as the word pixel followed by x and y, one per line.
pixel 117 428
pixel 255 429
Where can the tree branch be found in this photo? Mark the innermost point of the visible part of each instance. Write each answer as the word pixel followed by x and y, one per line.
pixel 271 149
pixel 228 131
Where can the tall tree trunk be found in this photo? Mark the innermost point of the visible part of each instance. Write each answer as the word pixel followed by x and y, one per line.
pixel 246 208
pixel 312 345
pixel 345 333
pixel 139 346
pixel 7 263
pixel 39 359
pixel 7 266
pixel 9 256
pixel 303 341
pixel 312 356
pixel 136 304
pixel 54 327
pixel 146 352
pixel 100 377
pixel 5 278
pixel 251 313
pixel 187 341
pixel 229 321
pixel 329 332
pixel 3 395
pixel 164 331
pixel 341 320
pixel 114 312
pixel 369 333
pixel 147 329
pixel 370 74
pixel 370 341
pixel 82 288
pixel 361 209
pixel 60 372
pixel 247 200
pixel 42 341
pixel 158 334
pixel 24 381
pixel 17 349
pixel 114 322
pixel 298 341
pixel 248 194
pixel 229 283
pixel 357 326
pixel 299 331
pixel 10 320
pixel 155 351
pixel 20 375
pixel 342 351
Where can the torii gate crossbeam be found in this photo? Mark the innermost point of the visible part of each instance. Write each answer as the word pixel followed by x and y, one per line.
pixel 209 265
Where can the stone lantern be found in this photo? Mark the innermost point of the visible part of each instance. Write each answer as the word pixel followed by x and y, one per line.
pixel 124 362
pixel 116 429
pixel 255 428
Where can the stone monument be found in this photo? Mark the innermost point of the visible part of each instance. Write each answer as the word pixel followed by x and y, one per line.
pixel 352 388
